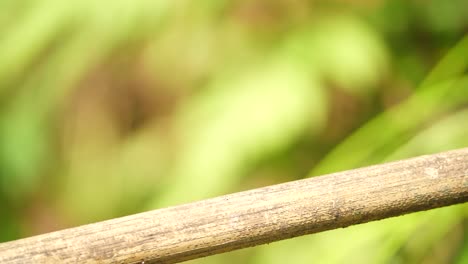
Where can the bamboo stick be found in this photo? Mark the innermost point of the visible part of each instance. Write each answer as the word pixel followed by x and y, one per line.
pixel 257 216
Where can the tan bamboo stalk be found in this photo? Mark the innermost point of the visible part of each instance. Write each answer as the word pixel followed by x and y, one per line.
pixel 257 216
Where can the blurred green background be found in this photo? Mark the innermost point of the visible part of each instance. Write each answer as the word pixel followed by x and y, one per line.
pixel 109 108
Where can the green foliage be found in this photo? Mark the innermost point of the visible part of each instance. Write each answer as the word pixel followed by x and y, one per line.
pixel 112 107
pixel 240 119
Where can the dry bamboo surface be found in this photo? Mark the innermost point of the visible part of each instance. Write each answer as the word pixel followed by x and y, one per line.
pixel 257 216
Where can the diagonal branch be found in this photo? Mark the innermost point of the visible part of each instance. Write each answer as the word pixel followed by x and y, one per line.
pixel 257 216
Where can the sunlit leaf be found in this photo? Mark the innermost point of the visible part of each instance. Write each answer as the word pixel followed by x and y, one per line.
pixel 345 51
pixel 238 121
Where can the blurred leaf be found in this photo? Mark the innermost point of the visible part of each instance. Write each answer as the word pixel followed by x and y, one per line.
pixel 453 65
pixel 385 133
pixel 380 136
pixel 129 171
pixel 9 224
pixel 25 120
pixel 24 41
pixel 463 258
pixel 445 17
pixel 377 139
pixel 449 133
pixel 346 51
pixel 24 123
pixel 239 120
pixel 22 153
